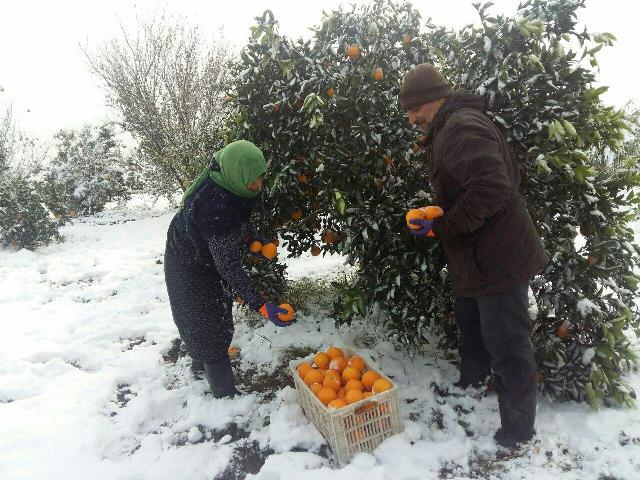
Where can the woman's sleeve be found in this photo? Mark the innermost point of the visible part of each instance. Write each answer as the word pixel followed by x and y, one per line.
pixel 226 252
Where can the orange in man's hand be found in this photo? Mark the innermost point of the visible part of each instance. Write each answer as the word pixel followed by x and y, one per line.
pixel 286 317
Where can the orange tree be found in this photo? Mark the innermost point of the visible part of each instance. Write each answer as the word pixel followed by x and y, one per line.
pixel 345 167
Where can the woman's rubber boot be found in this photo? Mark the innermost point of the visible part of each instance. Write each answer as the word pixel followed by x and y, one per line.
pixel 220 377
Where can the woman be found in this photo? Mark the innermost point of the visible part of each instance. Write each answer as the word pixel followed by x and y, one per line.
pixel 203 259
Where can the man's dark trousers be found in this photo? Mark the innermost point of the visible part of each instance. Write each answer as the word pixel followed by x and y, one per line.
pixel 494 333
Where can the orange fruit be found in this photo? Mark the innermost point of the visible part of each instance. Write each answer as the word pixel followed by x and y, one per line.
pixel 406 39
pixel 330 92
pixel 366 394
pixel 353 383
pixel 357 363
pixel 338 364
pixel 329 236
pixel 368 378
pixel 414 214
pixel 432 211
pixel 296 214
pixel 353 51
pixel 322 360
pixel 564 330
pixel 326 395
pixel 276 107
pixel 303 368
pixel 315 388
pixel 228 98
pixel 333 373
pixel 332 381
pixel 335 352
pixel 302 178
pixel 378 74
pixel 337 403
pixel 381 385
pixel 341 394
pixel 353 396
pixel 312 376
pixel 315 251
pixel 350 373
pixel 255 246
pixel 233 352
pixel 269 250
pixel 291 313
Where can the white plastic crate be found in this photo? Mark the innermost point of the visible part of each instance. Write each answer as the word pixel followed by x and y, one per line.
pixel 359 427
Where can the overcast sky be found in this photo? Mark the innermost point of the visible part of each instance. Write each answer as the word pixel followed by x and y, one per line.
pixel 43 74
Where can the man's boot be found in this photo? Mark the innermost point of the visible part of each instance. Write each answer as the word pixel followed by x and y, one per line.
pixel 220 377
pixel 473 373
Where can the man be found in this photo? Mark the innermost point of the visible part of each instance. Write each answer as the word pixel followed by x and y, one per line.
pixel 490 241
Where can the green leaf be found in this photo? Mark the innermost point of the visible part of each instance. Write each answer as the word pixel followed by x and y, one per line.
pixel 591 396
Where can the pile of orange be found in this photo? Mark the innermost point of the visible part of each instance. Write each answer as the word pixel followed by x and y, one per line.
pixel 338 380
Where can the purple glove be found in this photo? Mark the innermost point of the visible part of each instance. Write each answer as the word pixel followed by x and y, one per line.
pixel 270 310
pixel 425 227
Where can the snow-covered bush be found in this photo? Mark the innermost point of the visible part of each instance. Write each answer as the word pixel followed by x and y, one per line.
pixel 345 166
pixel 88 171
pixel 25 220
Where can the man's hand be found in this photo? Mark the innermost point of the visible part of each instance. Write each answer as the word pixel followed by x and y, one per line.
pixel 271 311
pixel 424 230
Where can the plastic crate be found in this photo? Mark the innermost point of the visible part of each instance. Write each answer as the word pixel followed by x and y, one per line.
pixel 359 427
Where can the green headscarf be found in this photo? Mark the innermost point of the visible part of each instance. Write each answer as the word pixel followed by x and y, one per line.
pixel 241 163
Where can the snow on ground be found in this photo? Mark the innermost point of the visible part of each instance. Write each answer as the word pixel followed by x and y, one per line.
pixel 93 385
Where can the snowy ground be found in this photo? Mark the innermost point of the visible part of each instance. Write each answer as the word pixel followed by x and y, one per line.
pixel 93 385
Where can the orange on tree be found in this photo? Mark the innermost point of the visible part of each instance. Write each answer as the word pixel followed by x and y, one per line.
pixel 337 403
pixel 350 373
pixel 353 396
pixel 326 395
pixel 377 74
pixel 330 92
pixel 338 364
pixel 322 360
pixel 329 236
pixel 302 178
pixel 357 362
pixel 381 385
pixel 233 352
pixel 296 214
pixel 564 330
pixel 353 51
pixel 291 313
pixel 276 107
pixel 269 250
pixel 315 251
pixel 255 246
pixel 368 378
pixel 313 376
pixel 303 368
pixel 334 352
